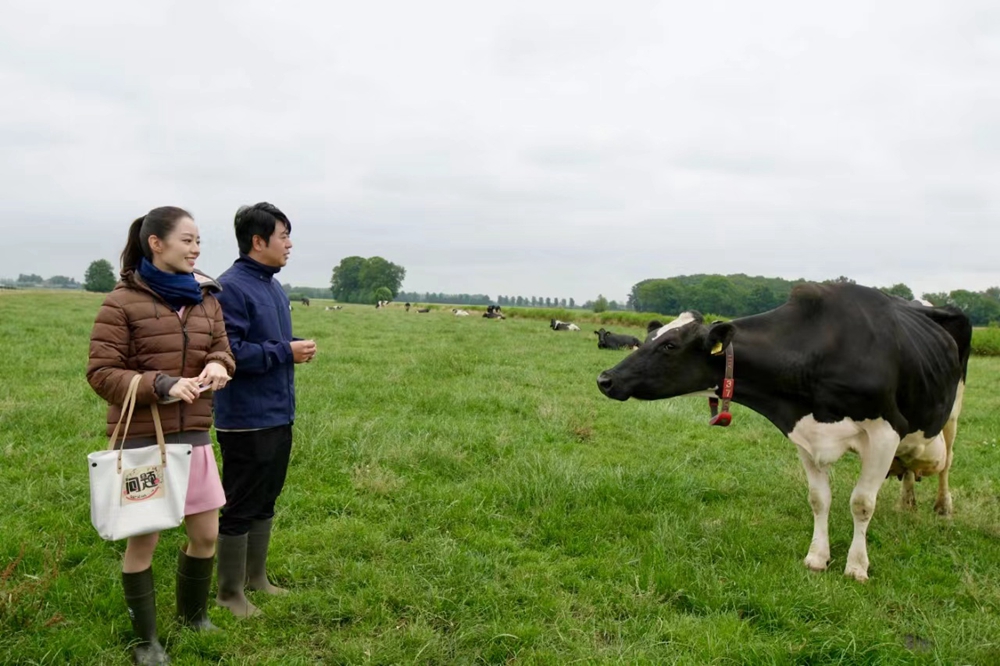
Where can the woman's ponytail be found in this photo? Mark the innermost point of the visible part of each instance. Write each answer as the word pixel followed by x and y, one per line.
pixel 133 251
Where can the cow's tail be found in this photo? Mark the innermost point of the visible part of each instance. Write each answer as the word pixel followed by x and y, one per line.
pixel 959 327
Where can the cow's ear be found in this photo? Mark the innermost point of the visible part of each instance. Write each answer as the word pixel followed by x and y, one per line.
pixel 720 334
pixel 653 326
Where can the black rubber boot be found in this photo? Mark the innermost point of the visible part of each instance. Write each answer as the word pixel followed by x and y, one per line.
pixel 194 576
pixel 140 597
pixel 258 541
pixel 232 555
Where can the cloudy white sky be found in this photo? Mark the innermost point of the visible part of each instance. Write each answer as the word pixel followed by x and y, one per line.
pixel 553 148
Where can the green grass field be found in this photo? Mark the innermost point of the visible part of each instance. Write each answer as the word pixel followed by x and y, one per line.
pixel 461 493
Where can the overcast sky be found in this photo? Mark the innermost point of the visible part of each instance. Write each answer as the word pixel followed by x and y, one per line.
pixel 538 148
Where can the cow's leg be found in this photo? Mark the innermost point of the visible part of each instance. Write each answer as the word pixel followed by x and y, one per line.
pixel 819 499
pixel 908 498
pixel 876 458
pixel 943 503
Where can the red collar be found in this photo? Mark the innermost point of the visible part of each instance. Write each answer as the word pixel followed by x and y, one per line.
pixel 724 418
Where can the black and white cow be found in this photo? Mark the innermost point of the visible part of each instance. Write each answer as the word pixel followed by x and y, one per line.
pixel 837 368
pixel 459 313
pixel 557 325
pixel 334 307
pixel 609 340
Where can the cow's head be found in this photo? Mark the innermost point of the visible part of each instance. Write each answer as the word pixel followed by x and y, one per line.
pixel 676 359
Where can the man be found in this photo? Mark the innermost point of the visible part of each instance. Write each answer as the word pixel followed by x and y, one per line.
pixel 255 411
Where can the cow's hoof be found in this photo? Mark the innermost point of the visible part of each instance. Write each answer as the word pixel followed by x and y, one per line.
pixel 857 572
pixel 816 562
pixel 908 502
pixel 943 507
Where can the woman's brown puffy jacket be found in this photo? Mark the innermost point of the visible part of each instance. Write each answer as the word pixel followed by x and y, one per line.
pixel 136 331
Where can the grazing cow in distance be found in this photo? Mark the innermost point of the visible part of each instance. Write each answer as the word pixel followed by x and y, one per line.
pixel 305 301
pixel 382 304
pixel 407 306
pixel 459 313
pixel 609 340
pixel 557 325
pixel 493 312
pixel 424 310
pixel 837 368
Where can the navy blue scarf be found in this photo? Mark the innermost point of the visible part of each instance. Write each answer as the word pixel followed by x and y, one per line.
pixel 177 289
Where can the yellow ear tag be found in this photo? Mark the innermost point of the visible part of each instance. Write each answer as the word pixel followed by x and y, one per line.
pixel 717 349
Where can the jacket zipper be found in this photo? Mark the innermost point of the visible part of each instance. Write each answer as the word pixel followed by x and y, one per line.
pixel 183 361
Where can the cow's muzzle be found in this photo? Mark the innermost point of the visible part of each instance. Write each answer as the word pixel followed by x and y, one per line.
pixel 607 386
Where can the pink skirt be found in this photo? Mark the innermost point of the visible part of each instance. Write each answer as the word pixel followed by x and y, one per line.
pixel 204 486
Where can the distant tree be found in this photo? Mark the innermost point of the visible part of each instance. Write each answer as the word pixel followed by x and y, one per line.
pixel 346 281
pixel 533 300
pixel 100 276
pixel 980 308
pixel 937 299
pixel 29 279
pixel 563 303
pixel 572 303
pixel 612 305
pixel 355 279
pixel 383 294
pixel 548 302
pixel 61 281
pixel 761 299
pixel 601 304
pixel 378 272
pixel 843 279
pixel 900 290
pixel 519 301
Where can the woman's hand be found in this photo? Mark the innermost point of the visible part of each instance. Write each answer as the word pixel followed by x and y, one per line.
pixel 214 375
pixel 186 389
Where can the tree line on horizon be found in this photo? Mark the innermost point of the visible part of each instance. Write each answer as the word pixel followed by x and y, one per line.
pixel 741 295
pixel 366 280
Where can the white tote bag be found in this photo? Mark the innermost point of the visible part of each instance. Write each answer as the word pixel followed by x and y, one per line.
pixel 138 491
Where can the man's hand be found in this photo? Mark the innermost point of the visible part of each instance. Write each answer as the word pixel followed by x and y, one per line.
pixel 303 350
pixel 214 376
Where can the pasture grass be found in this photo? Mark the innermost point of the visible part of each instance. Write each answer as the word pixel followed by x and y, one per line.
pixel 461 493
pixel 986 341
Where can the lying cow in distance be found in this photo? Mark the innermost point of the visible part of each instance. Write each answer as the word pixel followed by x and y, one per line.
pixel 335 307
pixel 609 340
pixel 495 314
pixel 424 310
pixel 837 368
pixel 459 313
pixel 557 325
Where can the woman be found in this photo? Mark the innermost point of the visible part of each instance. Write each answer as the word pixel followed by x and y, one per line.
pixel 163 322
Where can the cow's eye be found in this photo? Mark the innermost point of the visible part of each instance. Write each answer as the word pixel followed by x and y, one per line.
pixel 670 345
